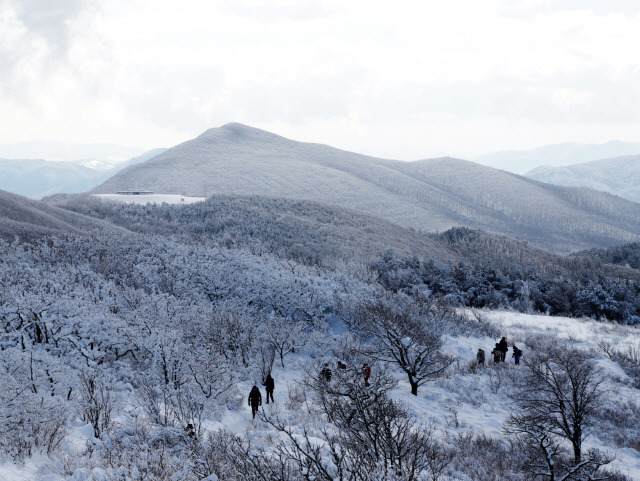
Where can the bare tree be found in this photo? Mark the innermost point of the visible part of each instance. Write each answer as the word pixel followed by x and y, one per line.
pixel 368 437
pixel 545 456
pixel 559 391
pixel 265 361
pixel 407 339
pixel 284 336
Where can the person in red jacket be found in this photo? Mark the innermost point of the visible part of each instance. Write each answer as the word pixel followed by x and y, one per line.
pixel 366 372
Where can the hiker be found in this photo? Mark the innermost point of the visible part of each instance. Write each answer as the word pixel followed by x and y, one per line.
pixel 366 372
pixel 496 353
pixel 503 348
pixel 189 430
pixel 326 372
pixel 480 357
pixel 269 384
pixel 341 365
pixel 255 400
pixel 517 354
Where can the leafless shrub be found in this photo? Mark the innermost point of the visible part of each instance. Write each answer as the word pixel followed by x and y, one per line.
pixel 172 408
pixel 297 396
pixel 480 324
pixel 496 377
pixel 481 457
pixel 628 360
pixel 265 360
pixel 29 422
pixel 283 336
pixel 96 402
pixel 619 421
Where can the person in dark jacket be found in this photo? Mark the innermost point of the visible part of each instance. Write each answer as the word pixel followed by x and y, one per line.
pixel 269 385
pixel 480 357
pixel 497 355
pixel 255 400
pixel 503 347
pixel 325 373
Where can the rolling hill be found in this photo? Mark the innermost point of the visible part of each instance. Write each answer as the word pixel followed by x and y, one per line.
pixel 429 195
pixel 619 176
pixel 29 219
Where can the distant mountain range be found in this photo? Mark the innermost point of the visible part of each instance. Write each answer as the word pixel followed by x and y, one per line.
pixel 36 178
pixel 619 176
pixel 101 153
pixel 522 161
pixel 428 195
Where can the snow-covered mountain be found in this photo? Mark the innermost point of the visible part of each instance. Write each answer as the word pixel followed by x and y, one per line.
pixel 36 178
pixel 557 155
pixel 428 195
pixel 619 176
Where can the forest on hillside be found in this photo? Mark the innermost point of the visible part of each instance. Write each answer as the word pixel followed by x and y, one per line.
pixel 147 342
pixel 462 266
pixel 146 339
pixel 624 255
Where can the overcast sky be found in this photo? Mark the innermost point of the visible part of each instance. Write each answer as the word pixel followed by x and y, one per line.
pixel 396 79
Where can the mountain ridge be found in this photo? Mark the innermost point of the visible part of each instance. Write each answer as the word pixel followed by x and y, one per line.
pixel 557 155
pixel 619 176
pixel 430 195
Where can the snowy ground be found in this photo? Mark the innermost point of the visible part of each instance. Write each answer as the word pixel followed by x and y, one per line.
pixel 464 402
pixel 151 199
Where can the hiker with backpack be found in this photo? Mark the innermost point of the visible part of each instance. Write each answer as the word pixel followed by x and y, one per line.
pixel 517 354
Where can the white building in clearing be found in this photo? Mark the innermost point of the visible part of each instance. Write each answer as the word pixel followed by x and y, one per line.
pixel 134 192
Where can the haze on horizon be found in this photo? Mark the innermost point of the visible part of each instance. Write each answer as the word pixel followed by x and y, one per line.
pixel 403 80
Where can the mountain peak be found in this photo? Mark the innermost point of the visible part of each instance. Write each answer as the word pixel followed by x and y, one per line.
pixel 236 131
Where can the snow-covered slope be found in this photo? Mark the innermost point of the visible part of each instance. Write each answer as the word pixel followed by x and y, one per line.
pixel 619 176
pixel 30 219
pixel 469 401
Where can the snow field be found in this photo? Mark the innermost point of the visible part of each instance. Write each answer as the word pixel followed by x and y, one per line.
pixel 467 400
pixel 151 198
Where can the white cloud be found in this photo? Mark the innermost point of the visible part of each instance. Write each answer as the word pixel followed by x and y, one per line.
pixel 414 78
pixel 568 98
